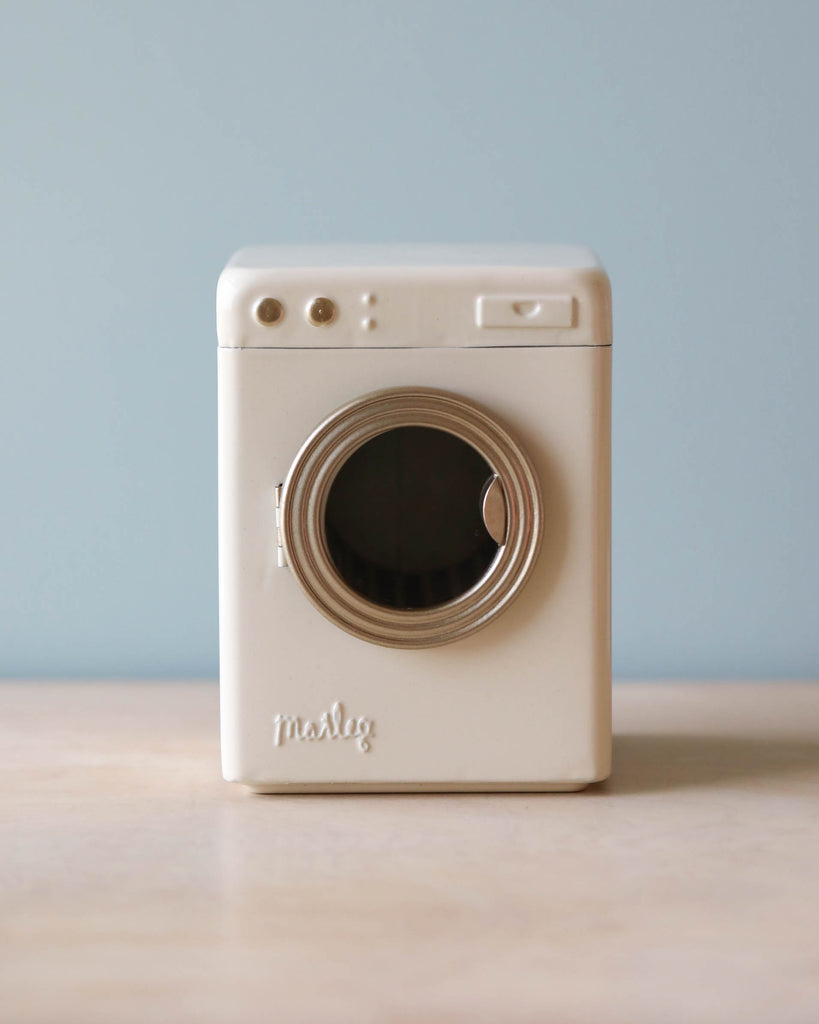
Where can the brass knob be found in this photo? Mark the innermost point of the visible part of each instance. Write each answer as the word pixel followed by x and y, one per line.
pixel 269 311
pixel 321 311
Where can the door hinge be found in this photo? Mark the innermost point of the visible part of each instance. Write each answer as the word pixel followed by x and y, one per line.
pixel 281 560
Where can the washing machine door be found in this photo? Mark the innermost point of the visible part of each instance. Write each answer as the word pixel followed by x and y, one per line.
pixel 410 517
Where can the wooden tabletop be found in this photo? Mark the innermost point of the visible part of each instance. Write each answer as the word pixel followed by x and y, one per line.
pixel 137 886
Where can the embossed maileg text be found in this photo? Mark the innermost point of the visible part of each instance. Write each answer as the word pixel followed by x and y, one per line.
pixel 332 725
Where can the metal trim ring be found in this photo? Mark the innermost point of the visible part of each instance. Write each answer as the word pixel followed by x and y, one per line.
pixel 304 500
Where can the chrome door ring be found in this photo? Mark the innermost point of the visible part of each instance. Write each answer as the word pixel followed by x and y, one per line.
pixel 304 500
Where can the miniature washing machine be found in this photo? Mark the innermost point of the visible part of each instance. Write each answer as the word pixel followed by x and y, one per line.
pixel 414 518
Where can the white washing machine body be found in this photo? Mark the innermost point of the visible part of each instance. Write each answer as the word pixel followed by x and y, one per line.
pixel 414 518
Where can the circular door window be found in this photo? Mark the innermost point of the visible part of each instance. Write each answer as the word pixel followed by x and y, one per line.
pixel 410 517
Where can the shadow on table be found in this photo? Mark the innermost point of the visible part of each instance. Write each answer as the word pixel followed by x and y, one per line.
pixel 651 763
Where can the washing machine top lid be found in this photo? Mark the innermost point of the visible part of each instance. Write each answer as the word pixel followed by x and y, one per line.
pixel 413 296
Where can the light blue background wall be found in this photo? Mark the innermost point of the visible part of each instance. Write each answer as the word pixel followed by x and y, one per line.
pixel 143 142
